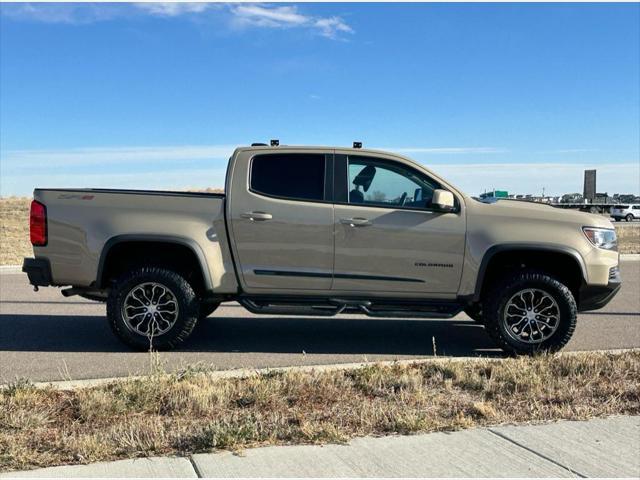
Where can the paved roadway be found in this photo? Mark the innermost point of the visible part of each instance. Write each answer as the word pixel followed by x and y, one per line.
pixel 46 337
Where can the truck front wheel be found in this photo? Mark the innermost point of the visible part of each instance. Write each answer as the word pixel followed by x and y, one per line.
pixel 529 312
pixel 152 308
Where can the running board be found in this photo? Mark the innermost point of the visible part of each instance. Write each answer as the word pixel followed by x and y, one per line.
pixel 329 307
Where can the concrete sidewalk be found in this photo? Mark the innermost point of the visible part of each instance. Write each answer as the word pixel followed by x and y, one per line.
pixel 596 448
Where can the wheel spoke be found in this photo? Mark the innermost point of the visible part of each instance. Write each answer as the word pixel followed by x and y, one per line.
pixel 150 309
pixel 516 325
pixel 170 302
pixel 531 315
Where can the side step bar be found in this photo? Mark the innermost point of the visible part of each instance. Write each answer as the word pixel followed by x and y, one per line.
pixel 330 307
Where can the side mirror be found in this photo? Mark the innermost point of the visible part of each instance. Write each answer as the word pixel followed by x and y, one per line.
pixel 443 200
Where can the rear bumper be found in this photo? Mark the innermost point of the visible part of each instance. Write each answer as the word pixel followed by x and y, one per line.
pixel 595 297
pixel 38 270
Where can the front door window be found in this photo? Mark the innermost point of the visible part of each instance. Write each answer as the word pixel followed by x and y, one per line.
pixel 374 182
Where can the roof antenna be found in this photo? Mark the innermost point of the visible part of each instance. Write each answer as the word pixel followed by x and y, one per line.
pixel 357 144
pixel 275 143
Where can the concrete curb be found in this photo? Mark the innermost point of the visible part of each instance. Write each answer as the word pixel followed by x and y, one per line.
pixel 248 372
pixel 601 447
pixel 148 467
pixel 10 269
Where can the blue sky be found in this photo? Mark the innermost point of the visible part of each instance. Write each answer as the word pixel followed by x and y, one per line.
pixel 508 96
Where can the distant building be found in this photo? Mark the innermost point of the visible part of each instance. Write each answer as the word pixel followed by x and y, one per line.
pixel 589 185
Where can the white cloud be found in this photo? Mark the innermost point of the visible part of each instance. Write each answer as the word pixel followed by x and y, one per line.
pixel 173 9
pixel 241 16
pixel 66 13
pixel 253 15
pixel 273 17
pixel 331 27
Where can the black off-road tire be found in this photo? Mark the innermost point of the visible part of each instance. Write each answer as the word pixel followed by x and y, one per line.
pixel 629 218
pixel 188 308
pixel 500 294
pixel 475 313
pixel 617 219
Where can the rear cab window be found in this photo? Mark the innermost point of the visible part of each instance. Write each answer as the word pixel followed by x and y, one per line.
pixel 292 176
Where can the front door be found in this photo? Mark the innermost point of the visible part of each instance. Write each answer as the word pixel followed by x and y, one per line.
pixel 388 237
pixel 282 225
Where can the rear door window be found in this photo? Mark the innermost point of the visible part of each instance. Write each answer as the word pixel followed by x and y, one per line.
pixel 295 176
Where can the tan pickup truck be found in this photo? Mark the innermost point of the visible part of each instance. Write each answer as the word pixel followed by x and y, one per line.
pixel 322 231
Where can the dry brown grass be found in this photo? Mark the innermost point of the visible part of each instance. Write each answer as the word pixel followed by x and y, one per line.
pixel 628 239
pixel 14 233
pixel 194 411
pixel 14 230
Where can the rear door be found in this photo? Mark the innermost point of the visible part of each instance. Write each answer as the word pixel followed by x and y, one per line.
pixel 388 237
pixel 281 219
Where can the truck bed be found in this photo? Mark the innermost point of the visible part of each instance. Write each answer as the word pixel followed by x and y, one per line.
pixel 83 224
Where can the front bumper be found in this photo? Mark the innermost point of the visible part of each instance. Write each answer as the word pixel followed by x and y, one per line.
pixel 594 297
pixel 38 270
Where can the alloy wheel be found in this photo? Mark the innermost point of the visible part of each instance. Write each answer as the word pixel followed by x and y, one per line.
pixel 150 309
pixel 531 316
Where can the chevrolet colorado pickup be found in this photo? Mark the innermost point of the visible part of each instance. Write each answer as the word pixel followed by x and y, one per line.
pixel 322 231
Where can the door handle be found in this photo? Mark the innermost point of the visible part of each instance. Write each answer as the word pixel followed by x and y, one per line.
pixel 356 222
pixel 257 216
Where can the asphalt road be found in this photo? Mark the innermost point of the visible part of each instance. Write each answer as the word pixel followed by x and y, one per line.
pixel 46 337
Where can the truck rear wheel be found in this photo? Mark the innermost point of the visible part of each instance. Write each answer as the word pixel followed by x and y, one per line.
pixel 152 308
pixel 529 312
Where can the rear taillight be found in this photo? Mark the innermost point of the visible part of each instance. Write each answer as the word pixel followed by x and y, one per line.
pixel 38 224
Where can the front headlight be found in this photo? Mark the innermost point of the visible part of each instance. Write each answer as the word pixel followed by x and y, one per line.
pixel 602 237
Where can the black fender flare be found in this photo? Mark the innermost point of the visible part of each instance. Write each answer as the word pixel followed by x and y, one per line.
pixel 506 247
pixel 140 238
